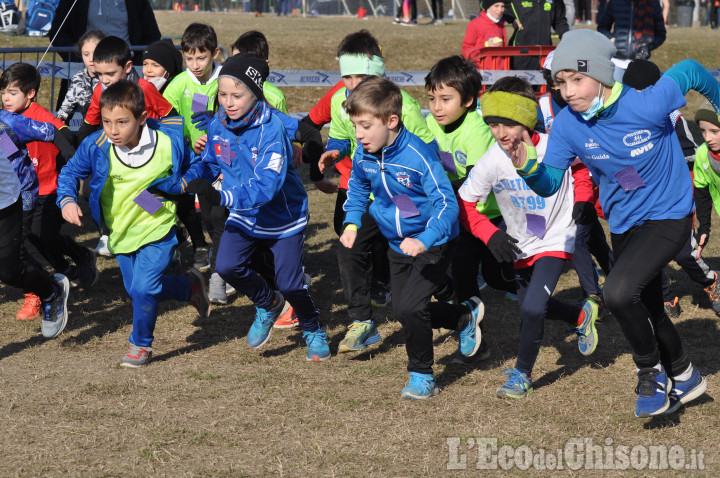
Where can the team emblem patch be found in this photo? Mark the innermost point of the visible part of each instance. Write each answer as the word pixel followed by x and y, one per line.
pixel 582 66
pixel 404 179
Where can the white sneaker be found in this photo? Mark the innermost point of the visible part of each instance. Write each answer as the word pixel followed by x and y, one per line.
pixel 102 247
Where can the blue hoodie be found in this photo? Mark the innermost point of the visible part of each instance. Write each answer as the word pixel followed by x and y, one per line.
pixel 92 158
pixel 260 186
pixel 408 167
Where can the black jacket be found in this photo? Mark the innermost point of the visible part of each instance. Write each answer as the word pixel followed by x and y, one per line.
pixel 142 26
pixel 536 17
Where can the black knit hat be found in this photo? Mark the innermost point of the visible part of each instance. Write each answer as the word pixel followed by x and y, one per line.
pixel 165 53
pixel 640 74
pixel 707 115
pixel 489 3
pixel 248 69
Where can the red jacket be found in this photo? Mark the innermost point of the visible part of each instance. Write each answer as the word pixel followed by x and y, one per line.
pixel 43 155
pixel 478 34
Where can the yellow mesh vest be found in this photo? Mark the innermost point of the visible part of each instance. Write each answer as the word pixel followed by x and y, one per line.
pixel 131 227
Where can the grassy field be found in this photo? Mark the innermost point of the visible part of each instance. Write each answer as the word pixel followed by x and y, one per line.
pixel 207 406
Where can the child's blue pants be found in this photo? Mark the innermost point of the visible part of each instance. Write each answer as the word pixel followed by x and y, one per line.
pixel 142 273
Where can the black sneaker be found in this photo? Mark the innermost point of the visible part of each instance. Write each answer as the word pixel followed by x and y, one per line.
pixel 72 275
pixel 713 292
pixel 380 295
pixel 87 272
pixel 672 309
pixel 201 259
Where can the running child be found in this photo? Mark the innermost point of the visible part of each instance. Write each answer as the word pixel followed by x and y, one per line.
pixel 19 85
pixel 268 204
pixel 540 235
pixel 135 162
pixel 626 139
pixel 415 209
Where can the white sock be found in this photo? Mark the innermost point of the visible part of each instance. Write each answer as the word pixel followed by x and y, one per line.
pixel 685 376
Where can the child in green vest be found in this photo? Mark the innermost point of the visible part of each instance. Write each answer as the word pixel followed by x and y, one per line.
pixel 135 162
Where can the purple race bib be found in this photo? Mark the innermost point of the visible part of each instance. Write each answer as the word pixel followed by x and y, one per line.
pixel 199 103
pixel 225 152
pixel 148 202
pixel 405 206
pixel 535 225
pixel 448 162
pixel 629 179
pixel 7 145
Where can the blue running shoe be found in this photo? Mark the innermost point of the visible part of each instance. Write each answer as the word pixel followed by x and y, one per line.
pixel 653 388
pixel 480 279
pixel 511 297
pixel 259 332
pixel 469 331
pixel 56 315
pixel 317 345
pixel 586 332
pixel 686 391
pixel 420 387
pixel 359 335
pixel 518 384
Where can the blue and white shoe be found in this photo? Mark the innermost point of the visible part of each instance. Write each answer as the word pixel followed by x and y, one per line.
pixel 317 345
pixel 55 310
pixel 470 334
pixel 420 387
pixel 652 389
pixel 259 332
pixel 587 332
pixel 686 391
pixel 518 384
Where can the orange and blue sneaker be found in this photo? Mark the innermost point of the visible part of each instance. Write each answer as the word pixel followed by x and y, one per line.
pixel 713 292
pixel 287 319
pixel 586 331
pixel 317 345
pixel 30 309
pixel 672 309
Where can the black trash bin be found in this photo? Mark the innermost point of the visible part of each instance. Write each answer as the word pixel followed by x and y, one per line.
pixel 685 13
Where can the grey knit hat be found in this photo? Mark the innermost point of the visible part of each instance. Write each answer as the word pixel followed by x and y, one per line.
pixel 587 52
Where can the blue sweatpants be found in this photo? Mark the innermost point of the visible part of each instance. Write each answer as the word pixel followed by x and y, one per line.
pixel 142 275
pixel 233 265
pixel 535 287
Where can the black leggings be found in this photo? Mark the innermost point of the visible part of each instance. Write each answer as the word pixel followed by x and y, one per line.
pixel 633 291
pixel 17 268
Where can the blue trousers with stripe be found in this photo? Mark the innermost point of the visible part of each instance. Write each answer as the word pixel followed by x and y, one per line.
pixel 233 265
pixel 142 273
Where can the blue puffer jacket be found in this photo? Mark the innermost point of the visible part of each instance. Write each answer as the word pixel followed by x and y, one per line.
pixel 636 25
pixel 92 158
pixel 260 186
pixel 408 167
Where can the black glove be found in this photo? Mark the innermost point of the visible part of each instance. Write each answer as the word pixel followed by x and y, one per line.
pixel 63 141
pixel 203 188
pixel 502 245
pixel 202 119
pixel 703 210
pixel 584 213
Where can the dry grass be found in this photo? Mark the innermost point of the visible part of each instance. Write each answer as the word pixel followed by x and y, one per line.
pixel 209 406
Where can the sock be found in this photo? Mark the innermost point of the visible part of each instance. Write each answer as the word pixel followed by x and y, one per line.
pixel 657 366
pixel 685 376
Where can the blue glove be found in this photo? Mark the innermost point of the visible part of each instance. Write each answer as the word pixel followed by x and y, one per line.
pixel 202 119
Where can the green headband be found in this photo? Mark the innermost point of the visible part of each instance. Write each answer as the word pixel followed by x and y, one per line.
pixel 361 65
pixel 499 105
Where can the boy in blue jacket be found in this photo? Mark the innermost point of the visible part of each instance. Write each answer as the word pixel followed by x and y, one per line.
pixel 416 210
pixel 134 162
pixel 268 204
